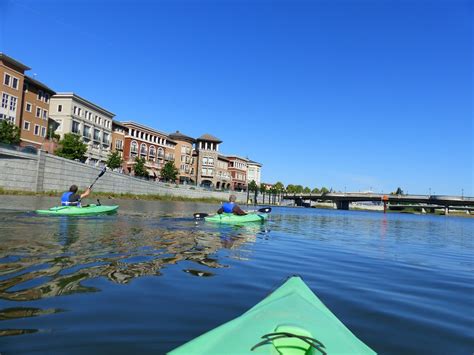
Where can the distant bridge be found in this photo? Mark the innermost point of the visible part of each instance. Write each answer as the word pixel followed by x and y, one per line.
pixel 342 200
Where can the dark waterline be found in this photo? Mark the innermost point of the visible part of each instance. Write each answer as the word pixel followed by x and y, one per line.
pixel 149 278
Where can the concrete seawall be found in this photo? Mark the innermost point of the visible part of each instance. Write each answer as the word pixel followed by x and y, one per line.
pixel 43 172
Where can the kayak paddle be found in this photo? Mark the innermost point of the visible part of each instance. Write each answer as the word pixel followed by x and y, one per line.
pixel 102 172
pixel 262 210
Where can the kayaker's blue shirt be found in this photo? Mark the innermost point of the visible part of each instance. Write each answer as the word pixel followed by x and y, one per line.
pixel 70 199
pixel 228 207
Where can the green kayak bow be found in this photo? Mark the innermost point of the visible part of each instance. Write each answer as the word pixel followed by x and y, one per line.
pixel 290 321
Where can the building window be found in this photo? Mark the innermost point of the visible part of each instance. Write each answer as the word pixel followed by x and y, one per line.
pixel 60 108
pixel 5 100
pixel 37 130
pixel 96 135
pixel 45 114
pixel 134 147
pixel 38 112
pixel 15 83
pixel 26 126
pixel 40 95
pixel 28 107
pixel 46 98
pixel 13 101
pixel 105 138
pixel 6 79
pixel 87 131
pixel 43 131
pixel 75 127
pixel 143 149
pixel 152 151
pixel 119 144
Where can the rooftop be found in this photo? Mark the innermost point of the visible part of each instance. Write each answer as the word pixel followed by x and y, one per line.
pixel 39 84
pixel 71 95
pixel 181 137
pixel 4 57
pixel 209 138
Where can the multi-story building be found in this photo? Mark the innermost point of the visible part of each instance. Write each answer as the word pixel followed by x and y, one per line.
pixel 93 123
pixel 152 145
pixel 238 172
pixel 35 113
pixel 118 137
pixel 12 75
pixel 207 149
pixel 184 160
pixel 254 172
pixel 222 173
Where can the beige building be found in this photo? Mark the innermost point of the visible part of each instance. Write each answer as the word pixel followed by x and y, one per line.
pixel 207 149
pixel 12 75
pixel 254 172
pixel 93 123
pixel 222 173
pixel 184 160
pixel 35 113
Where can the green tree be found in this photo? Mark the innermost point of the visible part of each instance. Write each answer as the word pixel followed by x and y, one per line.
pixel 279 187
pixel 139 167
pixel 290 188
pixel 263 189
pixel 398 192
pixel 298 189
pixel 254 188
pixel 169 172
pixel 324 190
pixel 71 147
pixel 307 190
pixel 315 190
pixel 9 133
pixel 272 193
pixel 114 161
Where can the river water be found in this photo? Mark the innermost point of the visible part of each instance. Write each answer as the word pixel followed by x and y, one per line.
pixel 149 278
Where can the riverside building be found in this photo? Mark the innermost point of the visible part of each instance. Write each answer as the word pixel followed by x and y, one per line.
pixel 184 160
pixel 145 142
pixel 254 172
pixel 207 153
pixel 93 123
pixel 238 172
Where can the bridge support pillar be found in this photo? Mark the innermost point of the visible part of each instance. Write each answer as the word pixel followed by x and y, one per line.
pixel 446 210
pixel 342 205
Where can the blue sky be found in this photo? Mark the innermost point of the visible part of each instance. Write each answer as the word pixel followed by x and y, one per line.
pixel 351 95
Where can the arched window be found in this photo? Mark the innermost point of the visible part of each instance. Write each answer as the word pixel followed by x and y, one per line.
pixel 152 151
pixel 143 149
pixel 134 148
pixel 161 153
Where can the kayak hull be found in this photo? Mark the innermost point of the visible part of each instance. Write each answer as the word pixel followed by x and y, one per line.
pixel 230 218
pixel 292 306
pixel 90 210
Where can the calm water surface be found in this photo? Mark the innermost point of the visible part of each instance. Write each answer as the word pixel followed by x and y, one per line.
pixel 149 278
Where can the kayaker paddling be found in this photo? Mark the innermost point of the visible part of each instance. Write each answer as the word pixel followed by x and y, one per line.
pixel 231 207
pixel 72 198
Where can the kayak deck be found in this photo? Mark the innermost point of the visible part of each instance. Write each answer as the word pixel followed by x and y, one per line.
pixel 231 218
pixel 291 309
pixel 78 211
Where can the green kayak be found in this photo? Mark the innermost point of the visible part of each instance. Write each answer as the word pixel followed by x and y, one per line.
pixel 235 219
pixel 290 321
pixel 78 211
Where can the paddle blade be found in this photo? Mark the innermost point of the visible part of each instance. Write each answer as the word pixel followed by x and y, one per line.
pixel 200 215
pixel 102 172
pixel 265 210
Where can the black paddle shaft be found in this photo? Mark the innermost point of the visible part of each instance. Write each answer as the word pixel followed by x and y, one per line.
pixel 97 178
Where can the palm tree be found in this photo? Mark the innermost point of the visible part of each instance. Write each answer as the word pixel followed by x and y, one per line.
pixel 254 187
pixel 263 189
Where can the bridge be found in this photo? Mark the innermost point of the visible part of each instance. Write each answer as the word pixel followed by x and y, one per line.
pixel 342 200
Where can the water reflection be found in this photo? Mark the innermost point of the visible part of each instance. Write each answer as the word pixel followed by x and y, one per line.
pixel 64 253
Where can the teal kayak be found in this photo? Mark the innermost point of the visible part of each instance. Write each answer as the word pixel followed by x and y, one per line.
pixel 231 218
pixel 290 321
pixel 78 211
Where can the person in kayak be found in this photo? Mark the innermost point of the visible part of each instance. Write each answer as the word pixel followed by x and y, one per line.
pixel 72 198
pixel 231 207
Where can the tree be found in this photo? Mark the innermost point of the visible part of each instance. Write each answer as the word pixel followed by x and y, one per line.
pixel 51 135
pixel 279 187
pixel 273 192
pixel 254 187
pixel 169 172
pixel 114 161
pixel 324 190
pixel 315 190
pixel 9 133
pixel 71 147
pixel 290 188
pixel 298 189
pixel 139 167
pixel 263 189
pixel 307 190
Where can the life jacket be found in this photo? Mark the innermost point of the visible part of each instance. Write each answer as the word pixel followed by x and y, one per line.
pixel 228 207
pixel 65 200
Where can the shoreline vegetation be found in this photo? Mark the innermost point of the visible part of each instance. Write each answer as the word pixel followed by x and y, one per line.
pixel 157 197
